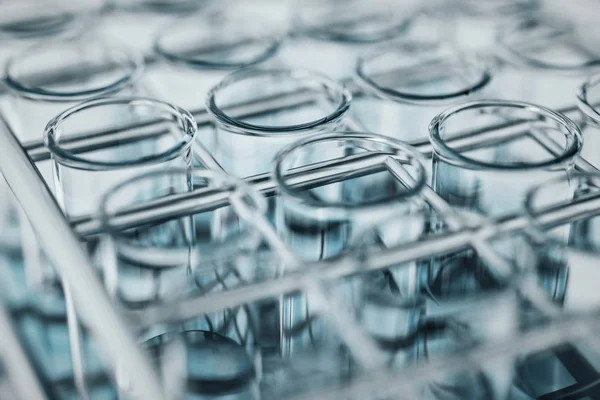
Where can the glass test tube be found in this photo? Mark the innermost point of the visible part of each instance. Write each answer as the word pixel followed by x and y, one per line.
pixel 487 154
pixel 566 268
pixel 334 32
pixel 455 319
pixel 154 135
pixel 50 77
pixel 149 135
pixel 194 53
pixel 321 218
pixel 178 258
pixel 259 111
pixel 546 60
pixel 406 83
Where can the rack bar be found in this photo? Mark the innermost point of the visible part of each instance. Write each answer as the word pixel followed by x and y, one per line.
pixel 66 253
pixel 584 207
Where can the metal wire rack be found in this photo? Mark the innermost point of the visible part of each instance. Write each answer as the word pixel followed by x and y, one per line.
pixel 113 327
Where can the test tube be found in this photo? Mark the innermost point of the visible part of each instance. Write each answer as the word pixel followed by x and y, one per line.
pixel 406 83
pixel 545 60
pixel 160 136
pixel 179 257
pixel 246 138
pixel 194 53
pixel 49 77
pixel 488 153
pixel 567 260
pixel 377 179
pixel 335 32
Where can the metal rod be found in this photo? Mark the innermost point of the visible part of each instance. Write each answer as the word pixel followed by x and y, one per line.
pixel 64 250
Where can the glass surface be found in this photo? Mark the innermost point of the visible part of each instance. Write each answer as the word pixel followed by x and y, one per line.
pixel 300 102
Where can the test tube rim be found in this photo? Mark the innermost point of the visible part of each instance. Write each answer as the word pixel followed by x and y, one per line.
pixel 75 24
pixel 335 208
pixel 324 33
pixel 413 98
pixel 451 156
pixel 235 125
pixel 67 158
pixel 526 60
pixel 131 62
pixel 271 48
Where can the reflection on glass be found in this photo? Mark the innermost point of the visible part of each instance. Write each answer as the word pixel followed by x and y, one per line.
pixel 259 111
